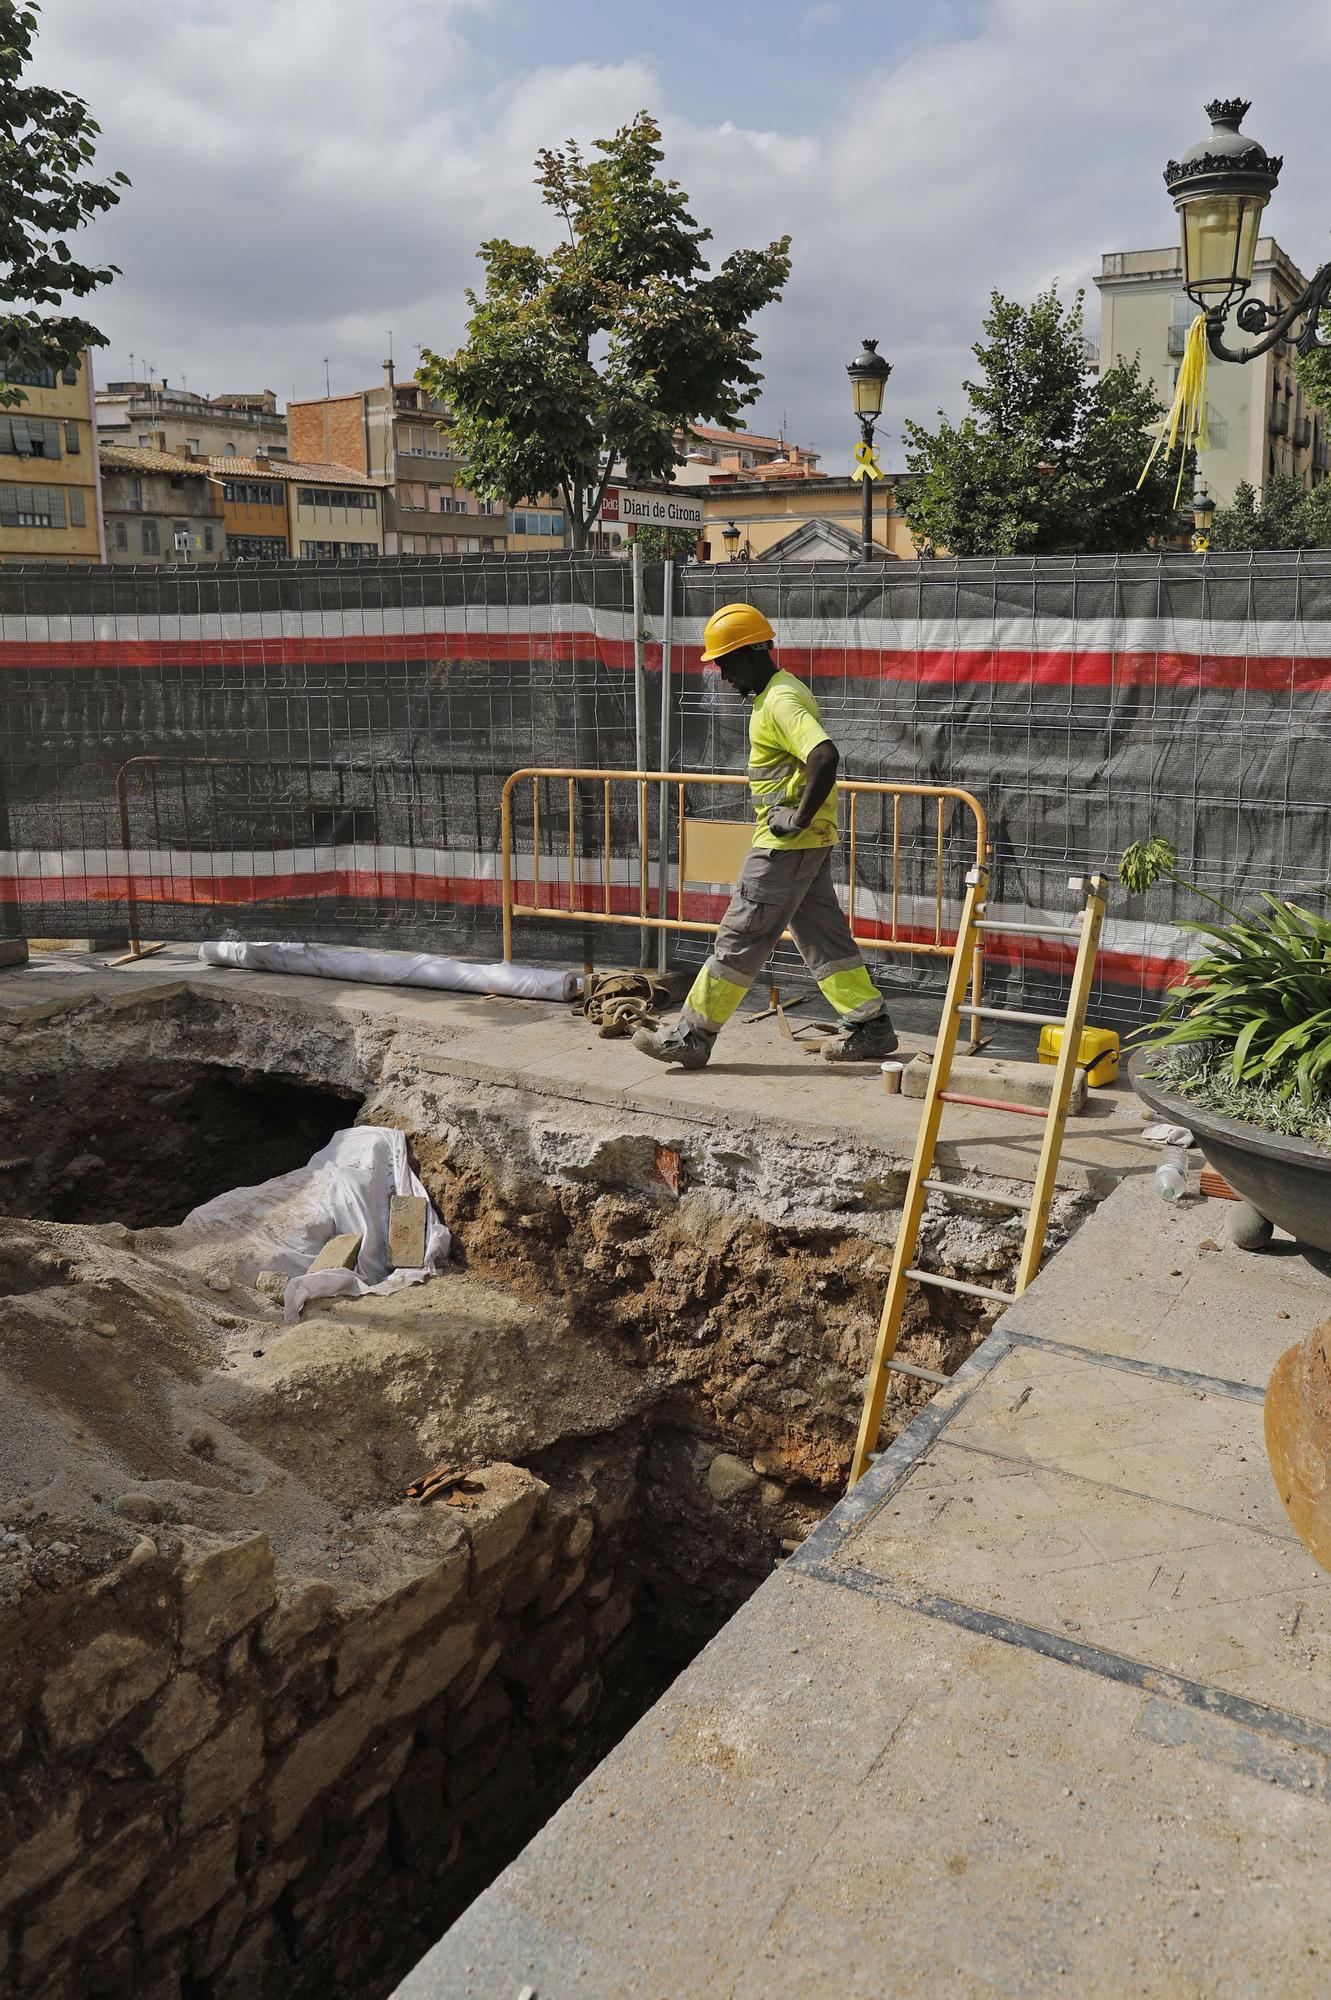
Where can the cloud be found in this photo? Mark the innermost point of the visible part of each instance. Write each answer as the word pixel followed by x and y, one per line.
pixel 303 180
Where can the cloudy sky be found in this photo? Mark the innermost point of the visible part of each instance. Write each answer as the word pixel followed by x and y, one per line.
pixel 311 173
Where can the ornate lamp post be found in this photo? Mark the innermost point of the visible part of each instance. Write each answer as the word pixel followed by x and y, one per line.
pixel 1220 187
pixel 868 374
pixel 1203 513
pixel 730 537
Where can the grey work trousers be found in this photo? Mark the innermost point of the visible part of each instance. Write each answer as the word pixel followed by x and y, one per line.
pixel 779 889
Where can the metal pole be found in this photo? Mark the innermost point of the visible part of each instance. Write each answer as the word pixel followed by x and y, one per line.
pixel 663 814
pixel 640 720
pixel 866 504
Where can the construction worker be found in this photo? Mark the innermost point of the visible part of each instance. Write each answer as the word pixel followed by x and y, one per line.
pixel 786 881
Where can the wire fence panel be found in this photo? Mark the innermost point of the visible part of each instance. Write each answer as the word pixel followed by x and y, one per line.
pixel 319 750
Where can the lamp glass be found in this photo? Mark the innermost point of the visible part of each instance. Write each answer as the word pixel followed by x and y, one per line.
pixel 866 389
pixel 730 536
pixel 1203 512
pixel 1220 242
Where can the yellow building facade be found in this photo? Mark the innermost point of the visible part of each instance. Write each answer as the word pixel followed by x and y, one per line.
pixel 770 511
pixel 50 489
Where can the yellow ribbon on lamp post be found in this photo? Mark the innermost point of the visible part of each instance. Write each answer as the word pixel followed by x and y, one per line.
pixel 866 463
pixel 1186 421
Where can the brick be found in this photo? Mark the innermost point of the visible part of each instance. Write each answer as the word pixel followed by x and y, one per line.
pixel 106 1880
pixel 106 1678
pixel 223 1590
pixel 407 1218
pixel 504 1513
pixel 338 1254
pixel 382 1630
pixel 995 1076
pixel 30 1863
pixel 218 1776
pixel 198 1877
pixel 182 1716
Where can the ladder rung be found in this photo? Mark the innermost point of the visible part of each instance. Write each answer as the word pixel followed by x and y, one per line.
pixel 1016 1014
pixel 993 1104
pixel 1028 930
pixel 919 1374
pixel 960 1285
pixel 1019 1202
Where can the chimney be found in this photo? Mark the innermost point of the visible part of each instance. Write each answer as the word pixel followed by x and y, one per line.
pixel 389 382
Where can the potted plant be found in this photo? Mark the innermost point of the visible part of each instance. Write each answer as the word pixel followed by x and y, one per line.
pixel 1241 1053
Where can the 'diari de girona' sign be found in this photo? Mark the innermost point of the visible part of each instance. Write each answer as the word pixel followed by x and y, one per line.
pixel 641 507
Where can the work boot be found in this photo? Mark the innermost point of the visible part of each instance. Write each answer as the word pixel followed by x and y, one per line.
pixel 869 1042
pixel 684 1046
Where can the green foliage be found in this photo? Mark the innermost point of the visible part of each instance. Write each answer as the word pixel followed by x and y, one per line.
pixel 1286 517
pixel 604 348
pixel 1314 370
pixel 658 543
pixel 47 143
pixel 1260 1001
pixel 1048 460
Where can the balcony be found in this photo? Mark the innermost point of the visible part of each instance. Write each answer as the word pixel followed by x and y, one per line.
pixel 1279 422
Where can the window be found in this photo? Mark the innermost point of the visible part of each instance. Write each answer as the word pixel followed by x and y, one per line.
pixel 257 548
pixel 122 535
pixel 413 495
pixel 29 437
pixel 192 446
pixel 345 497
pixel 32 378
pixel 70 375
pixel 333 551
pixel 73 442
pixel 152 545
pixel 32 507
pixel 208 541
pixel 228 450
pixel 77 517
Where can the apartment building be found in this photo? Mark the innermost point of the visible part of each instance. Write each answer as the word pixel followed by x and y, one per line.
pixel 156 417
pixel 50 500
pixel 704 451
pixel 332 512
pixel 256 513
pixel 1259 419
pixel 160 508
pixel 391 434
pixel 810 519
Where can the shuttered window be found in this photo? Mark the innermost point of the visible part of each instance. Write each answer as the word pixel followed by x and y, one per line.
pixel 32 506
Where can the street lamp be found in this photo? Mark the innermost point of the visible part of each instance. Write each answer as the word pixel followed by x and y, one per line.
pixel 730 536
pixel 1220 187
pixel 1203 513
pixel 868 374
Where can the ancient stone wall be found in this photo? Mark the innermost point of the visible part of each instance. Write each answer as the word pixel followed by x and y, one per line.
pixel 223 1781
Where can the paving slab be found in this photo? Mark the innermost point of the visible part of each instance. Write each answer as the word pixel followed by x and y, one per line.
pixel 1043 1706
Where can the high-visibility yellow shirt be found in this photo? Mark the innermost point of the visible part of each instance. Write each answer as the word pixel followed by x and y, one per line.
pixel 783 728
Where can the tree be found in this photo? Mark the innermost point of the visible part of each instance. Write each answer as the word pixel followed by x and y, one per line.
pixel 47 142
pixel 1048 460
pixel 603 349
pixel 1314 370
pixel 1286 517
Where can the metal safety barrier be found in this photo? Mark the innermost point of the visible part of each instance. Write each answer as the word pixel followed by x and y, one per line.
pixel 599 868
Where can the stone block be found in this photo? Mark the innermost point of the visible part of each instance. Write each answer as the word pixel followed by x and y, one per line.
pixel 323 1753
pixel 46 1853
pixel 338 1254
pixel 417 1808
pixel 580 1703
pixel 375 1778
pixel 13 951
pixel 408 1215
pixel 502 1516
pixel 106 1678
pixel 729 1478
pixel 462 1690
pixel 272 1285
pixel 490 1707
pixel 380 1631
pixel 431 1666
pixel 197 1878
pixel 579 1537
pixel 995 1076
pixel 611 1618
pixel 213 1949
pixel 545 1668
pixel 218 1775
pixel 245 1974
pixel 223 1589
pixel 350 1861
pixel 528 1579
pixel 299 1611
pixel 560 1590
pixel 109 1876
pixel 466 1769
pixel 182 1716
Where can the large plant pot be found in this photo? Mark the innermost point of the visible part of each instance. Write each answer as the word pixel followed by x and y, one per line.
pixel 1298 1439
pixel 1286 1180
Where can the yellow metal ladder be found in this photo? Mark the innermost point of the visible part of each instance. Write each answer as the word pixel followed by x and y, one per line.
pixel 1085 933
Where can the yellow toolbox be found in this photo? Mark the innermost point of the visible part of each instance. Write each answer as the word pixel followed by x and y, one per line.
pixel 1098 1054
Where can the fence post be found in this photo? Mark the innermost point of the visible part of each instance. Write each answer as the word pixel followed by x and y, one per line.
pixel 13 943
pixel 663 814
pixel 640 752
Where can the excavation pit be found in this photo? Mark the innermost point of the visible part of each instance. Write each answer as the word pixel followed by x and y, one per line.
pixel 270 1726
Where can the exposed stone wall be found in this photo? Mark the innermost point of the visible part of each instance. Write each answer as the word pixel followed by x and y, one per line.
pixel 223 1782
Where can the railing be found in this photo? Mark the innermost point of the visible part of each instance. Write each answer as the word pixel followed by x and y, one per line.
pixel 591 883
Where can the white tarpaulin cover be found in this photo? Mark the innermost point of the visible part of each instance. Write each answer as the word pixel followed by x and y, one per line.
pixel 282 1224
pixel 394 968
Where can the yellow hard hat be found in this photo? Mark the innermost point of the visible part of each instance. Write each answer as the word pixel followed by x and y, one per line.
pixel 733 626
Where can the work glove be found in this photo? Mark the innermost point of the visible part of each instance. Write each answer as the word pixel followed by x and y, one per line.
pixel 783 821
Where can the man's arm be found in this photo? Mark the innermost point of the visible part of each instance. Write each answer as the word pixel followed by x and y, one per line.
pixel 820 776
